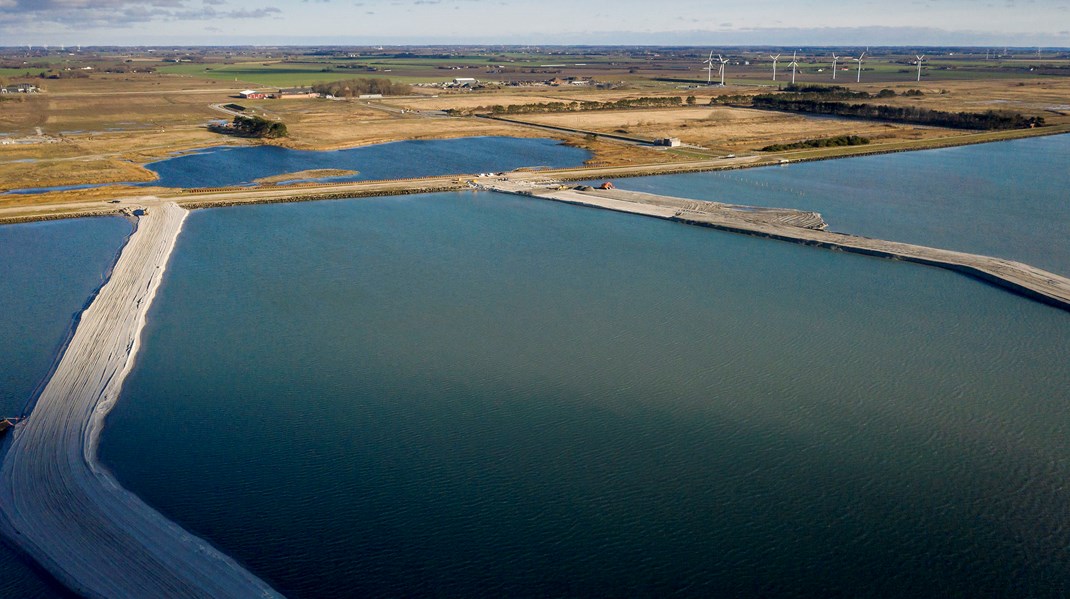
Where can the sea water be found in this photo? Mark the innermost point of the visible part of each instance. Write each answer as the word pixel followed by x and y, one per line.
pixel 478 394
pixel 48 271
pixel 1005 199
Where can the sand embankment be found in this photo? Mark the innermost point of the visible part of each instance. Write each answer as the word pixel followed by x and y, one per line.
pixel 805 228
pixel 58 504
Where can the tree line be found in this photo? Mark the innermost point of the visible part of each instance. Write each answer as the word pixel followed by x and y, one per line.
pixel 988 120
pixel 347 88
pixel 828 142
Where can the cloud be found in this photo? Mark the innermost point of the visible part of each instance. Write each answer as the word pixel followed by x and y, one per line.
pixel 118 13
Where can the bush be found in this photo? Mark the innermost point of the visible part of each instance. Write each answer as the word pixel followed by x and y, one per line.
pixel 252 126
pixel 829 142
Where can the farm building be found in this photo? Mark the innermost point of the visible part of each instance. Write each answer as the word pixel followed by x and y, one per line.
pixel 251 94
pixel 465 82
pixel 20 88
pixel 295 92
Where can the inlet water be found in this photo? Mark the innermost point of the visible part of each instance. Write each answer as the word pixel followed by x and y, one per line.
pixel 226 165
pixel 477 394
pixel 215 167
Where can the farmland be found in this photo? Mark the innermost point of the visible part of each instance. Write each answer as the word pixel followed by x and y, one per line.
pixel 103 114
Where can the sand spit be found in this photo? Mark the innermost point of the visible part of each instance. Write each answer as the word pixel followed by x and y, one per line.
pixel 58 504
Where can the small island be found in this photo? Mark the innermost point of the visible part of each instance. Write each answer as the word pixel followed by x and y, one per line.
pixel 315 173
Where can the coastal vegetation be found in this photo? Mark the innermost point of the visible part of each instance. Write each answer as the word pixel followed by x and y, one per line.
pixel 828 142
pixel 830 100
pixel 252 126
pixel 986 121
pixel 316 173
pixel 576 106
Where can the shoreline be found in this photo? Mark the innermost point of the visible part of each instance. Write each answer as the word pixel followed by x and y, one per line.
pixel 808 229
pixel 58 504
pixel 316 191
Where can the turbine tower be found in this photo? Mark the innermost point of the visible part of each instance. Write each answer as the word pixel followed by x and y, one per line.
pixel 834 59
pixel 723 62
pixel 920 58
pixel 794 63
pixel 775 58
pixel 859 61
pixel 709 68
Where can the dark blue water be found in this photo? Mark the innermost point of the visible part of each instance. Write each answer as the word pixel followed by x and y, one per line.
pixel 32 190
pixel 236 166
pixel 47 272
pixel 485 395
pixel 1005 199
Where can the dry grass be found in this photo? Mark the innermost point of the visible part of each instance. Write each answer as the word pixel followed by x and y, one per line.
pixel 472 100
pixel 129 120
pixel 727 129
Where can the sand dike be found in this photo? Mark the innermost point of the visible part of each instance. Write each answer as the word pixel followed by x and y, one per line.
pixel 58 504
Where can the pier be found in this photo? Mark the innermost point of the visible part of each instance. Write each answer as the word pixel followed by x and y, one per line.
pixel 796 226
pixel 57 503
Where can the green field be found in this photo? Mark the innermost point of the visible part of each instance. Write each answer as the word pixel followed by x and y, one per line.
pixel 289 74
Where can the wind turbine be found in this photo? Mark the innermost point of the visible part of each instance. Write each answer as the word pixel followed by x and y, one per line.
pixel 920 58
pixel 709 68
pixel 775 58
pixel 834 59
pixel 723 62
pixel 859 61
pixel 794 63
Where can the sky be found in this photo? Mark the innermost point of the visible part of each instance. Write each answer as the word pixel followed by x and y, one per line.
pixel 543 22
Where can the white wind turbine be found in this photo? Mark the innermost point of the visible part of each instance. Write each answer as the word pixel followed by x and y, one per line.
pixel 859 61
pixel 709 68
pixel 834 60
pixel 775 58
pixel 723 62
pixel 920 58
pixel 794 63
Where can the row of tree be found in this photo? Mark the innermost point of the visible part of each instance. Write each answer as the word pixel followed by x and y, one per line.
pixel 839 92
pixel 989 120
pixel 577 106
pixel 348 88
pixel 828 142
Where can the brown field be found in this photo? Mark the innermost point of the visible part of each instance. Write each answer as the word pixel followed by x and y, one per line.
pixel 728 129
pixel 108 126
pixel 473 100
pixel 1049 98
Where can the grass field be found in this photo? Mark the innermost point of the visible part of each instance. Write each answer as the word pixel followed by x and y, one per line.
pixel 294 75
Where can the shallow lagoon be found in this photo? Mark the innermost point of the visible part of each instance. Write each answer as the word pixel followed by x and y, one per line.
pixel 242 165
pixel 217 167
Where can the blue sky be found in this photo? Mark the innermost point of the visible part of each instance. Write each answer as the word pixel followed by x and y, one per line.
pixel 683 22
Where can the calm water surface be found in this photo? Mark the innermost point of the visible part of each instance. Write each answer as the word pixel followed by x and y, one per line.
pixel 1005 199
pixel 47 273
pixel 235 166
pixel 478 394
